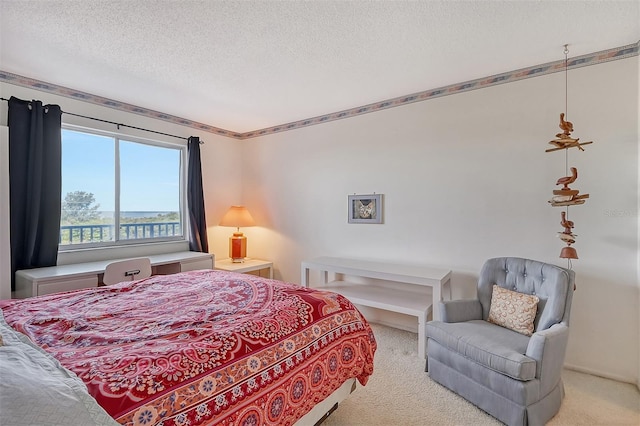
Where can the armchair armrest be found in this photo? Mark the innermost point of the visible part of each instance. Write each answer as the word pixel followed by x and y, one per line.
pixel 548 348
pixel 460 310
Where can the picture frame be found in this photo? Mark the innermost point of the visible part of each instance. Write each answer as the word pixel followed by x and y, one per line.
pixel 366 208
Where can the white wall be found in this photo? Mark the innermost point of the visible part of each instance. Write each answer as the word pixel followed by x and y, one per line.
pixel 465 178
pixel 638 218
pixel 5 256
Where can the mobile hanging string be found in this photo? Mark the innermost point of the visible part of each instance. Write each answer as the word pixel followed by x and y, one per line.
pixel 566 101
pixel 566 114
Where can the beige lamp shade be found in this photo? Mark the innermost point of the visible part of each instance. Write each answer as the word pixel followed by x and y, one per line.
pixel 237 216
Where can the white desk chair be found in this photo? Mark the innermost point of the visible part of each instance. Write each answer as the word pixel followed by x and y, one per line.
pixel 127 270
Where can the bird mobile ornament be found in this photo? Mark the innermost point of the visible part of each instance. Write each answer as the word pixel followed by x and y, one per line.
pixel 568 237
pixel 564 140
pixel 566 196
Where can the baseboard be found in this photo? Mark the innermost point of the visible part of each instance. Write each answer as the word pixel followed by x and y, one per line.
pixel 602 374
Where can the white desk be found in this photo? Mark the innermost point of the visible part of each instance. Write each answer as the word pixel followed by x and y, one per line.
pixel 54 279
pixel 408 289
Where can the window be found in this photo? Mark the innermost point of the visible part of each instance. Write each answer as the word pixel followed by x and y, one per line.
pixel 120 190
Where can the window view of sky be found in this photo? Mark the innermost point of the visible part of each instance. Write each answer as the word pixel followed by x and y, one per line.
pixel 149 175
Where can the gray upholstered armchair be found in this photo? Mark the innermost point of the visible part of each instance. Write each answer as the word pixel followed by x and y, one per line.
pixel 512 376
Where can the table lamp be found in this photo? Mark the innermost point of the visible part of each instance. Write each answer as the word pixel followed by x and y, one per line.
pixel 237 216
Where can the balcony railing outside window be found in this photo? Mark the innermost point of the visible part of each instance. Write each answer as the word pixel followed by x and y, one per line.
pixel 78 234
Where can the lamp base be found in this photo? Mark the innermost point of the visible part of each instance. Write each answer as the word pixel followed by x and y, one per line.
pixel 237 247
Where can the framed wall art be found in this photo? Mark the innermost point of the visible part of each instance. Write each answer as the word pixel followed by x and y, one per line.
pixel 365 208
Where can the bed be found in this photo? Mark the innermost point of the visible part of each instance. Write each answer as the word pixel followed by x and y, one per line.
pixel 198 348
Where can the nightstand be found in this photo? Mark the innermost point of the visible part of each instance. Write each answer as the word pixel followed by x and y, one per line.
pixel 261 268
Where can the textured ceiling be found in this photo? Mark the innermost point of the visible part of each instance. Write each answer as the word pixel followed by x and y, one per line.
pixel 247 65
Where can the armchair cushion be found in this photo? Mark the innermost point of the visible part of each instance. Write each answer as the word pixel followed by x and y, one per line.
pixel 460 310
pixel 513 310
pixel 489 345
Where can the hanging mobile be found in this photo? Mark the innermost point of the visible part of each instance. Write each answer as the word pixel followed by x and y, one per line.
pixel 566 196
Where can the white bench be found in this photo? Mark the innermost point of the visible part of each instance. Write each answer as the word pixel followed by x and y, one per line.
pixel 406 289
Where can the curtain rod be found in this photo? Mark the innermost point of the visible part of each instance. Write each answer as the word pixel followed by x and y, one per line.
pixel 118 125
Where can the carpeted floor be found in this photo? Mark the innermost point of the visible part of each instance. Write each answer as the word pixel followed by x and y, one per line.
pixel 400 393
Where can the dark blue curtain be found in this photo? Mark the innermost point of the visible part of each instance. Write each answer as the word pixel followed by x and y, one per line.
pixel 195 199
pixel 35 151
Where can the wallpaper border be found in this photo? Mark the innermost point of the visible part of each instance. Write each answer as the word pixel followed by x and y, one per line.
pixel 507 77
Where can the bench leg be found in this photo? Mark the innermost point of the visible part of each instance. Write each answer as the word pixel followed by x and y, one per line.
pixel 422 335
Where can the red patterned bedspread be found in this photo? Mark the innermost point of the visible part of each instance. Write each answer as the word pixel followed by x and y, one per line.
pixel 202 347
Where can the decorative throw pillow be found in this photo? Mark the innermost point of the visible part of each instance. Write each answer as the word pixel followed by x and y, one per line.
pixel 513 310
